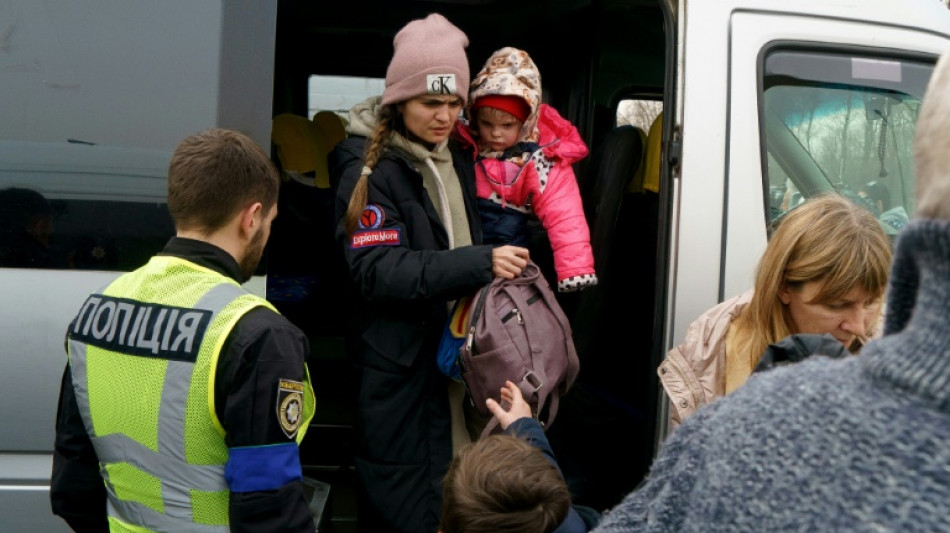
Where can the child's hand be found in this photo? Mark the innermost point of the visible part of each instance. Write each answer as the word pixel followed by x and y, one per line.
pixel 518 408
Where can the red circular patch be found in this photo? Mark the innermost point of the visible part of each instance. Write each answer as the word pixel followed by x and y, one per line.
pixel 368 219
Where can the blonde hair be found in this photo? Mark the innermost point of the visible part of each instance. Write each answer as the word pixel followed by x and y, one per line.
pixel 827 239
pixel 931 153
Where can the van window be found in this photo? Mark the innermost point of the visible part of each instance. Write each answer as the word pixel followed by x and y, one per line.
pixel 340 93
pixel 638 112
pixel 94 101
pixel 81 206
pixel 842 122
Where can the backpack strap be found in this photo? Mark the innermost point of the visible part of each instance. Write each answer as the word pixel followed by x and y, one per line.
pixel 469 338
pixel 573 364
pixel 490 427
pixel 530 387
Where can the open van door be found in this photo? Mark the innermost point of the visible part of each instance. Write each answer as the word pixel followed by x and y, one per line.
pixel 781 102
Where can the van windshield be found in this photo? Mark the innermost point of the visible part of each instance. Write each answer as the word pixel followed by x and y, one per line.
pixel 845 123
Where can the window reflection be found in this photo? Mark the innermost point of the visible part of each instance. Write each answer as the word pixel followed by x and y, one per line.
pixel 84 207
pixel 836 122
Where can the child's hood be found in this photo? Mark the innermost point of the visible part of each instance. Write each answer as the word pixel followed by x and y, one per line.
pixel 510 71
pixel 558 137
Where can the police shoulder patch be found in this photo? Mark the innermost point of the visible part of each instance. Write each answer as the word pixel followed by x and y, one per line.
pixel 289 406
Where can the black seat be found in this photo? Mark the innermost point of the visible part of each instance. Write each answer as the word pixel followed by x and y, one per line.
pixel 612 167
pixel 612 324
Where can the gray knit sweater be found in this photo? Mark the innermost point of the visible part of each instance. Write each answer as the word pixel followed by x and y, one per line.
pixel 854 444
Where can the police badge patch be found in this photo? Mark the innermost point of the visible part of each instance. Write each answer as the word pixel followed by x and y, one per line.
pixel 289 406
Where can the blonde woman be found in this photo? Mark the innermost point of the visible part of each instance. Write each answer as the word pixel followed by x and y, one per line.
pixel 824 271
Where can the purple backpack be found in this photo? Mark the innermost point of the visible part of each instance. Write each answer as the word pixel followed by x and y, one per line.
pixel 518 332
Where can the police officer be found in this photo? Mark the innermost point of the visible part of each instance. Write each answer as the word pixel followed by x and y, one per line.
pixel 187 395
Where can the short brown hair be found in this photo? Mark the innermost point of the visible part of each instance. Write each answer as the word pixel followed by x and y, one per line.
pixel 216 173
pixel 503 484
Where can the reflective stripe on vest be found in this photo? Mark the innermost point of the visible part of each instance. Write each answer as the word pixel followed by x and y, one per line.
pixel 149 478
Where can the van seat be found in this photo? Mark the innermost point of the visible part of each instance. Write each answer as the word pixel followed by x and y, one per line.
pixel 302 147
pixel 651 160
pixel 304 227
pixel 331 126
pixel 612 323
pixel 614 164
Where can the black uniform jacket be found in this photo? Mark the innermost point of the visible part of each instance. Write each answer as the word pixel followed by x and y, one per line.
pixel 263 348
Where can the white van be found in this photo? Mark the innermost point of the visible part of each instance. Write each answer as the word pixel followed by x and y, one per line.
pixel 764 102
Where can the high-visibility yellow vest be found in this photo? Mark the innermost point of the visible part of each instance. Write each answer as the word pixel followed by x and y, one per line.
pixel 143 355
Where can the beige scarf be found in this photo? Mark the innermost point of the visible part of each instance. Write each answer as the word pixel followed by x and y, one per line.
pixel 442 184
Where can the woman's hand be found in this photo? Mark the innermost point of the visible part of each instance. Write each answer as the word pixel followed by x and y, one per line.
pixel 508 261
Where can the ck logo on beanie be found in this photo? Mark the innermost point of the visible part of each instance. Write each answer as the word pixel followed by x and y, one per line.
pixel 441 83
pixel 428 58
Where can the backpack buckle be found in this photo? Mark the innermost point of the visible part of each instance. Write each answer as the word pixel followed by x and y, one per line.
pixel 532 379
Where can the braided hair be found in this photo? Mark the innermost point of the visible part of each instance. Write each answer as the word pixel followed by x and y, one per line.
pixel 375 145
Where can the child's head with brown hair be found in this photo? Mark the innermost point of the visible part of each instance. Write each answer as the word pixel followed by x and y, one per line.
pixel 498 119
pixel 505 90
pixel 503 484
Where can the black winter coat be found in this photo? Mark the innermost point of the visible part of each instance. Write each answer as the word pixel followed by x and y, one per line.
pixel 410 281
pixel 404 276
pixel 799 346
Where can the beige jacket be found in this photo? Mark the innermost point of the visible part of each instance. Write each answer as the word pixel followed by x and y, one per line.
pixel 694 372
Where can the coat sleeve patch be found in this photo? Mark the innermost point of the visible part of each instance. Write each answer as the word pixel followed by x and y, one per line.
pixel 372 217
pixel 290 406
pixel 370 231
pixel 382 237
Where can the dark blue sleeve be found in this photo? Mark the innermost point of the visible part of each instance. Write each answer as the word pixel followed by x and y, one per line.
pixel 77 492
pixel 572 524
pixel 531 431
pixel 263 469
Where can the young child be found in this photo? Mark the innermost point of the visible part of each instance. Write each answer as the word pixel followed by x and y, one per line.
pixel 510 482
pixel 525 153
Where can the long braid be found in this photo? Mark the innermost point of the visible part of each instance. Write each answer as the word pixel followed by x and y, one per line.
pixel 374 150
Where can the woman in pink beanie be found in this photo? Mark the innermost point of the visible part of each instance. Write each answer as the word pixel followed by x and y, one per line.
pixel 411 237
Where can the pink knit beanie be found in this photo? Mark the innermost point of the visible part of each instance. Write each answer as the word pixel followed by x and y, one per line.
pixel 428 58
